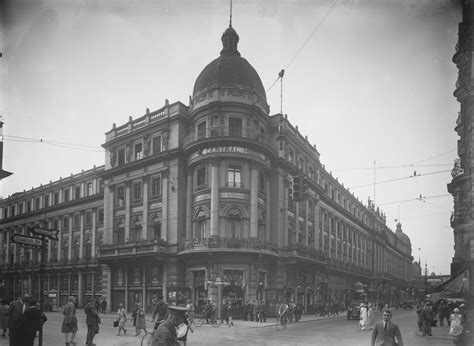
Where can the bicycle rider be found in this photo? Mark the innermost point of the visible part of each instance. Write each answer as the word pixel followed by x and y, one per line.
pixel 283 312
pixel 160 313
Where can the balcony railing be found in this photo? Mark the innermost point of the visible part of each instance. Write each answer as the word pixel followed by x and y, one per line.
pixel 228 132
pixel 133 248
pixel 300 250
pixel 227 243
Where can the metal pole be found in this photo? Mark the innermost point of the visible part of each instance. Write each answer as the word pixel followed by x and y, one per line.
pixel 41 271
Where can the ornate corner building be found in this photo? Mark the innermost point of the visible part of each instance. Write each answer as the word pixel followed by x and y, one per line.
pixel 196 201
pixel 462 219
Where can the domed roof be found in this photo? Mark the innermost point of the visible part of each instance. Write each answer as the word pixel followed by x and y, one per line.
pixel 402 236
pixel 229 69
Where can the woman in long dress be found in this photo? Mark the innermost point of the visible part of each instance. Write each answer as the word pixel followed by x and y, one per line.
pixel 122 319
pixel 363 317
pixel 69 326
pixel 455 324
pixel 140 323
pixel 371 316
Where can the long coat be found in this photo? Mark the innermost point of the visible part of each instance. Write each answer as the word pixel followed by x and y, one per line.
pixel 140 322
pixel 15 311
pixel 31 322
pixel 386 337
pixel 70 320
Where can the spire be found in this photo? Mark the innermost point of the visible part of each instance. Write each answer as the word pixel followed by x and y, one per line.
pixel 230 38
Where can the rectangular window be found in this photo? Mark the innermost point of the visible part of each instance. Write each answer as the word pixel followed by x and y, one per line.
pixel 76 221
pixel 65 223
pixel 100 216
pixel 13 210
pixel 234 176
pixel 235 127
pixel 156 186
pixel 138 151
pixel 77 192
pixel 120 195
pixel 121 157
pixel 137 191
pixel 28 206
pixel 90 189
pixel 156 145
pixel 37 203
pixel 20 208
pixel 88 218
pixel 261 182
pixel 201 130
pixel 46 201
pixel 56 198
pixel 66 195
pixel 201 178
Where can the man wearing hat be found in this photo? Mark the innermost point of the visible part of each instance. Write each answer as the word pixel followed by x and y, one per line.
pixel 15 312
pixel 166 335
pixel 92 321
pixel 161 310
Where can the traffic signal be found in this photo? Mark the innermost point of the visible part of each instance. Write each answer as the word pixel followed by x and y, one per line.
pixel 297 188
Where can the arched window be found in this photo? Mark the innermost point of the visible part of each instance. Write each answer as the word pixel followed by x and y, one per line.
pixel 156 229
pixel 119 234
pixel 137 231
pixel 200 225
pixel 234 223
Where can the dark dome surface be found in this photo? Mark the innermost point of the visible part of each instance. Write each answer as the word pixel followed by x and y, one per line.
pixel 229 69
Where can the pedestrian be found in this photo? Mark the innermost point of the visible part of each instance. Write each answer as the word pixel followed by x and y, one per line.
pixel 166 334
pixel 15 311
pixel 246 310
pixel 134 315
pixel 69 326
pixel 97 305
pixel 224 312
pixel 4 317
pixel 455 324
pixel 190 308
pixel 443 313
pixel 229 313
pixel 161 310
pixel 208 311
pixel 427 316
pixel 263 312
pixel 370 316
pixel 296 311
pixel 92 321
pixel 386 332
pixel 363 317
pixel 103 306
pixel 31 322
pixel 140 320
pixel 122 319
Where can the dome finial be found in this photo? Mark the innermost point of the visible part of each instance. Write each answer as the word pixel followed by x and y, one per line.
pixel 230 21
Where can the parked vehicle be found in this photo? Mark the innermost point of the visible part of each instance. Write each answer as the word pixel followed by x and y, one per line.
pixel 408 304
pixel 353 310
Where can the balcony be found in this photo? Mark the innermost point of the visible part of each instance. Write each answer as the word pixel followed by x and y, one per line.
pixel 304 252
pixel 227 244
pixel 219 133
pixel 139 248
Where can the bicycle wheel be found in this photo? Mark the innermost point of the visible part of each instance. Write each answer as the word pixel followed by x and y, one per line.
pixel 147 339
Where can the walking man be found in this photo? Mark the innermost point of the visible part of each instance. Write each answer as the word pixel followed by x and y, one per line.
pixel 15 312
pixel 386 333
pixel 92 321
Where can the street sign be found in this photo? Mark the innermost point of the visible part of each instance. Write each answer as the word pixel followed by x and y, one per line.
pixel 48 233
pixel 26 240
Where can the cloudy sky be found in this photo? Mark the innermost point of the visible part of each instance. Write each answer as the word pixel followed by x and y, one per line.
pixel 367 81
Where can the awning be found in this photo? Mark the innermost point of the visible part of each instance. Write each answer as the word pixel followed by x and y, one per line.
pixel 455 288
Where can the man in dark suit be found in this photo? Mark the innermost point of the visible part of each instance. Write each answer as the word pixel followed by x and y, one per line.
pixel 386 332
pixel 15 312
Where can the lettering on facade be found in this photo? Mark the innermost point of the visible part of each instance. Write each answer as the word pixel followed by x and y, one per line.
pixel 233 195
pixel 232 149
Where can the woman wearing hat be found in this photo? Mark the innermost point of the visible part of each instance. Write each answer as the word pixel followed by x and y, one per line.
pixel 140 322
pixel 363 316
pixel 122 319
pixel 69 326
pixel 455 324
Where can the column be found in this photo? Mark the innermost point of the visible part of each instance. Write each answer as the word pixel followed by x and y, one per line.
pixel 145 210
pixel 80 289
pixel 81 236
pixel 108 214
pixel 127 211
pixel 94 231
pixel 107 273
pixel 69 250
pixel 189 211
pixel 164 217
pixel 268 209
pixel 253 202
pixel 165 283
pixel 331 220
pixel 317 230
pixel 59 243
pixel 214 199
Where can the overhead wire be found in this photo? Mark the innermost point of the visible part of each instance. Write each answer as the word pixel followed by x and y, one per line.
pixel 318 25
pixel 398 179
pixel 53 143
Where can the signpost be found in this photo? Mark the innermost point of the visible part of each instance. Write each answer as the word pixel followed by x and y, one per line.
pixel 48 233
pixel 26 240
pixel 42 243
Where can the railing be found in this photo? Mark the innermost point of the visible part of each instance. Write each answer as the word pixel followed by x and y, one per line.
pixel 227 243
pixel 133 248
pixel 301 250
pixel 227 131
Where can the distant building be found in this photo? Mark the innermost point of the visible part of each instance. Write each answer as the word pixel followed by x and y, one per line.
pixel 215 199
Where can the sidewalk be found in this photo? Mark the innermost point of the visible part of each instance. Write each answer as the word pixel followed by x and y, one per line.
pixel 108 339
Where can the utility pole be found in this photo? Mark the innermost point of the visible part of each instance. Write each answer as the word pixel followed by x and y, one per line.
pixel 280 75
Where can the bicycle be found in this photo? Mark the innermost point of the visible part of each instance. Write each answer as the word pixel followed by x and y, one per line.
pixel 281 322
pixel 147 339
